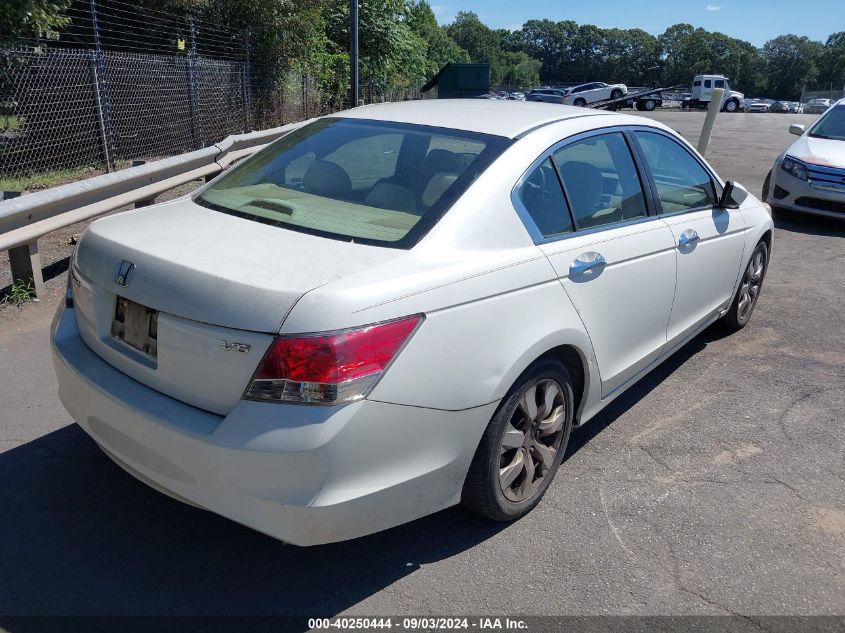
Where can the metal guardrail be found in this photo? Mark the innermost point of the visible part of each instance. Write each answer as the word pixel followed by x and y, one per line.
pixel 25 219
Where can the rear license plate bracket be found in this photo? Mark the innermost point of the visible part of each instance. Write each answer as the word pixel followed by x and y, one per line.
pixel 136 325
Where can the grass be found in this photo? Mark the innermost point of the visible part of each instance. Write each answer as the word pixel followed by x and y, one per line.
pixel 20 292
pixel 10 122
pixel 47 179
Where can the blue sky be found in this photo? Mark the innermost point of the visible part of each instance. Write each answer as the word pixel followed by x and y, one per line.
pixel 752 20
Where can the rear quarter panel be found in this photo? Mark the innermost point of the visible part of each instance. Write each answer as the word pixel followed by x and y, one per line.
pixel 492 300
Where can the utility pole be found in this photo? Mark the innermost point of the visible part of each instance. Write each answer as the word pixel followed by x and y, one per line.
pixel 353 50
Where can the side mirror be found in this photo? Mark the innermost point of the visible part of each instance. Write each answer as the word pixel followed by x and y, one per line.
pixel 797 129
pixel 733 195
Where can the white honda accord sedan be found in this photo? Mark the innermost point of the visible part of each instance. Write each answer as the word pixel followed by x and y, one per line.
pixel 399 308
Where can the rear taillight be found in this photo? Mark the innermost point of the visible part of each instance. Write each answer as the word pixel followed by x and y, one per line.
pixel 329 368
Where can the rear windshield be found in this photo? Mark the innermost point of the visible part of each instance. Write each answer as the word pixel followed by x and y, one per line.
pixel 831 125
pixel 370 182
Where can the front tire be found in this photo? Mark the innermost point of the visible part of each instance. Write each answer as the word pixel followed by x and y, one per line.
pixel 523 445
pixel 746 296
pixel 616 93
pixel 732 105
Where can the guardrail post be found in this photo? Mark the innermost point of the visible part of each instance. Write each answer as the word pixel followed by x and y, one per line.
pixel 147 201
pixel 25 260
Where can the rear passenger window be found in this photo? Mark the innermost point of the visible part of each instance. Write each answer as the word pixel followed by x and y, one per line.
pixel 601 180
pixel 542 197
pixel 707 83
pixel 682 183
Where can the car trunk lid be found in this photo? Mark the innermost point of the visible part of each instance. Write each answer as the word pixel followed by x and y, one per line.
pixel 186 299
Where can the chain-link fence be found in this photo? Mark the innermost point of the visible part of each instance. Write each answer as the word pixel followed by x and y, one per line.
pixel 810 95
pixel 123 83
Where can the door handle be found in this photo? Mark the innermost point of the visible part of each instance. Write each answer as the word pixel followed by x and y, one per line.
pixel 688 238
pixel 587 262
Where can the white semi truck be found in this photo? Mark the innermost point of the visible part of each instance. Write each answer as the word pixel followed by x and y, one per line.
pixel 702 93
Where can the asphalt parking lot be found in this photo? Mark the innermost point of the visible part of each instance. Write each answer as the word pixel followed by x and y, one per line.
pixel 714 486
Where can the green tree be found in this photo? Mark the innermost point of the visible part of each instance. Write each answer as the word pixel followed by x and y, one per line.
pixel 27 19
pixel 832 62
pixel 517 70
pixel 791 65
pixel 476 38
pixel 440 48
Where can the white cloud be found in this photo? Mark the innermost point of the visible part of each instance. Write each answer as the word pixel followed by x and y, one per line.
pixel 713 7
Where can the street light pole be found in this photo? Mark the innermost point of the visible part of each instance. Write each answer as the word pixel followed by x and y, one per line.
pixel 353 53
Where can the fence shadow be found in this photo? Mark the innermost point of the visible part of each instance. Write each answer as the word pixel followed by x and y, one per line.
pixel 81 537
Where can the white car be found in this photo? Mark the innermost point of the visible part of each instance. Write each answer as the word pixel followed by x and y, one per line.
pixel 809 177
pixel 759 105
pixel 398 308
pixel 586 94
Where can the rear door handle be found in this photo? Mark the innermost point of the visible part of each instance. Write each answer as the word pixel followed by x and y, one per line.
pixel 587 262
pixel 688 238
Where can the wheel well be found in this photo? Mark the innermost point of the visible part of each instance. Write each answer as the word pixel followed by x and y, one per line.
pixel 571 357
pixel 767 238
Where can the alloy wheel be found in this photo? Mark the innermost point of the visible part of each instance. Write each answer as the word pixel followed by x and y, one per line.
pixel 749 290
pixel 531 440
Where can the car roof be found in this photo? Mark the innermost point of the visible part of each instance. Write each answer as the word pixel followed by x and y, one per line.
pixel 484 116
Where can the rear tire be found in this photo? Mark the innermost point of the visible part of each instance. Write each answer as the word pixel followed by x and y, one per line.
pixel 580 102
pixel 650 105
pixel 523 445
pixel 745 299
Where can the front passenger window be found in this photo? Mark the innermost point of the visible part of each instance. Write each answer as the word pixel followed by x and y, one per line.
pixel 600 180
pixel 682 183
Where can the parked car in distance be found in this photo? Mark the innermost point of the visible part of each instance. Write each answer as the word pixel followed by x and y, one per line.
pixel 817 106
pixel 585 94
pixel 546 95
pixel 398 308
pixel 809 177
pixel 781 107
pixel 759 105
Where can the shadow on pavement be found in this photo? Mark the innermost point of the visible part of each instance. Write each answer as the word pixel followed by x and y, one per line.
pixel 81 537
pixel 809 224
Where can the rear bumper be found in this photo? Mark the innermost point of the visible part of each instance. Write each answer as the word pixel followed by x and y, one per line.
pixel 305 475
pixel 802 197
